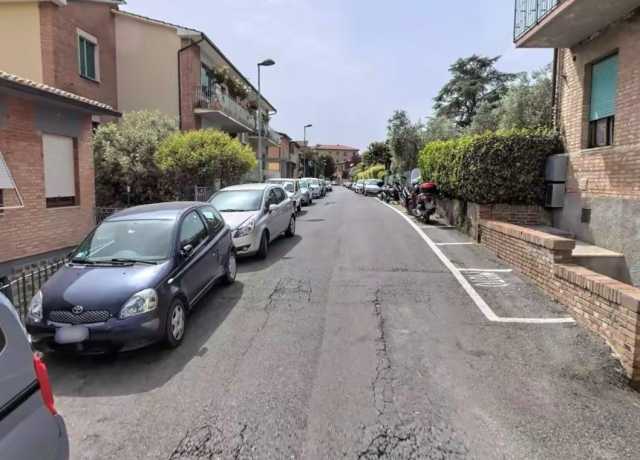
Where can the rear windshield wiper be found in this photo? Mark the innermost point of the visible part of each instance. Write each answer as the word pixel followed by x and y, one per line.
pixel 133 261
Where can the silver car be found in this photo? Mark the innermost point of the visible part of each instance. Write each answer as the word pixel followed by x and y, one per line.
pixel 314 185
pixel 257 215
pixel 30 426
pixel 292 187
pixel 372 187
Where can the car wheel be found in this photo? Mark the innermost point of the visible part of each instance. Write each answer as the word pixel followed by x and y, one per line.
pixel 291 229
pixel 263 251
pixel 231 270
pixel 176 324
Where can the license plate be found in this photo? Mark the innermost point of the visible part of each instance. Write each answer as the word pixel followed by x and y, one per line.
pixel 71 334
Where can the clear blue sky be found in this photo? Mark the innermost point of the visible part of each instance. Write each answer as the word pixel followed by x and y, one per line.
pixel 345 65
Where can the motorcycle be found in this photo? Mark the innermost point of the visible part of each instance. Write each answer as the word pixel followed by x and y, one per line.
pixel 425 201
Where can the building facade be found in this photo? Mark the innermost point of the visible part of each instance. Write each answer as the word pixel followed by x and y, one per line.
pixel 343 155
pixel 596 103
pixel 46 170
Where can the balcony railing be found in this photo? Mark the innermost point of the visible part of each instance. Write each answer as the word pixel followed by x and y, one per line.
pixel 214 99
pixel 529 13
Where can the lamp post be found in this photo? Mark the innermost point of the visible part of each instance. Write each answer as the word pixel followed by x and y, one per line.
pixel 265 63
pixel 306 161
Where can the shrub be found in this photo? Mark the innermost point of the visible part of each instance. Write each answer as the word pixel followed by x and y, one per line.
pixel 500 167
pixel 202 157
pixel 376 171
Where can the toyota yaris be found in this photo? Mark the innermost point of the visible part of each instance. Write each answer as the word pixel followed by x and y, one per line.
pixel 133 280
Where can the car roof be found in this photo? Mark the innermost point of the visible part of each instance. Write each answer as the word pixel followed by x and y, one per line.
pixel 247 187
pixel 164 211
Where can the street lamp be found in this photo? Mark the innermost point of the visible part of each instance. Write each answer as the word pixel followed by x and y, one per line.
pixel 305 133
pixel 265 63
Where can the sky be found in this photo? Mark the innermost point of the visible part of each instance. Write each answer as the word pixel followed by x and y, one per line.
pixel 346 65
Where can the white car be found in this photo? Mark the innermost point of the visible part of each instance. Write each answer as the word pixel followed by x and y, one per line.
pixel 292 187
pixel 314 186
pixel 257 215
pixel 372 187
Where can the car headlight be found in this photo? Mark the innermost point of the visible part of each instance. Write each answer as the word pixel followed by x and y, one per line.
pixel 139 303
pixel 35 307
pixel 245 228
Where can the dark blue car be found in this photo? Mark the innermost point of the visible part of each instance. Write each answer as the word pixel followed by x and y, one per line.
pixel 131 282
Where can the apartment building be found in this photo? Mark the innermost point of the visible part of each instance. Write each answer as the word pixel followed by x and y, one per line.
pixel 597 105
pixel 342 155
pixel 283 160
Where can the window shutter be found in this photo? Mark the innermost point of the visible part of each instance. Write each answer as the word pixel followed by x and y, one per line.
pixel 91 59
pixel 59 166
pixel 604 83
pixel 82 52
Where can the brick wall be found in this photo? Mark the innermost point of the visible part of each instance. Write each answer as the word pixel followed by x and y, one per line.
pixel 603 305
pixel 59 41
pixel 190 65
pixel 607 171
pixel 36 229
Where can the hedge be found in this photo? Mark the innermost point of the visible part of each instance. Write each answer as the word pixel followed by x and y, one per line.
pixel 497 167
pixel 376 171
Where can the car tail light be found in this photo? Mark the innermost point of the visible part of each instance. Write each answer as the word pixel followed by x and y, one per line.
pixel 45 385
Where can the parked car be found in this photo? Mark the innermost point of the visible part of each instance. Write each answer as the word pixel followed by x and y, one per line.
pixel 305 190
pixel 359 186
pixel 30 426
pixel 292 187
pixel 257 215
pixel 328 185
pixel 372 187
pixel 131 282
pixel 314 184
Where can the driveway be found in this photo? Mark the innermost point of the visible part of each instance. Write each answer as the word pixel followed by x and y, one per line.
pixel 356 340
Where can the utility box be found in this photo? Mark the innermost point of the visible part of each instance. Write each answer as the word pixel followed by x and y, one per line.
pixel 555 177
pixel 554 195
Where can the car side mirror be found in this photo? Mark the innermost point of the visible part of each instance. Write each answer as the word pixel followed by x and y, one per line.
pixel 186 250
pixel 272 207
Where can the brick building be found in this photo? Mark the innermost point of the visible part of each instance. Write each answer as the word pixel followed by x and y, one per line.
pixel 597 110
pixel 283 160
pixel 46 170
pixel 342 155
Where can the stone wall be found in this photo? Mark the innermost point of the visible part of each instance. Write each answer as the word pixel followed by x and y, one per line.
pixel 605 306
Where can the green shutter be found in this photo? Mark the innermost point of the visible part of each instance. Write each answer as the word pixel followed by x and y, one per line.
pixel 604 83
pixel 91 60
pixel 83 56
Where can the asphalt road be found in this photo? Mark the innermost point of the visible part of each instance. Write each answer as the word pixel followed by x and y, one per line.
pixel 353 340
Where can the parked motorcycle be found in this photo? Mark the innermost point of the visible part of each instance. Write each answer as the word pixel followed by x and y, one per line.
pixel 425 201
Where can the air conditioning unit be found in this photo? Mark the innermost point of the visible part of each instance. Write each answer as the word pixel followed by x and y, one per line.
pixel 554 195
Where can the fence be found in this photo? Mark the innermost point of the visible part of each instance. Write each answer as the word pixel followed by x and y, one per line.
pixel 22 286
pixel 528 13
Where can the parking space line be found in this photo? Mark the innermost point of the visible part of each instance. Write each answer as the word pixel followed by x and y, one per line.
pixel 489 270
pixel 477 299
pixel 454 244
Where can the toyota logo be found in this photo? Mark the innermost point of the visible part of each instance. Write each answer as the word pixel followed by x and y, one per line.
pixel 77 310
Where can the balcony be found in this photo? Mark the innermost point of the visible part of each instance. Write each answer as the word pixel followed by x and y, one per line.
pixel 564 23
pixel 268 135
pixel 222 111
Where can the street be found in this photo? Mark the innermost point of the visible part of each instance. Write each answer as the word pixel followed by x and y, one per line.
pixel 354 340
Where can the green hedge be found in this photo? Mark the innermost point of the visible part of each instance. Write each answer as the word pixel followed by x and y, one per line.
pixel 376 171
pixel 498 167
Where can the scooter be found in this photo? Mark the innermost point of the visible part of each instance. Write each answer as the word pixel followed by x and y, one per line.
pixel 425 201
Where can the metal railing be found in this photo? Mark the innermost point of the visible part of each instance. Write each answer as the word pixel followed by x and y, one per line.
pixel 215 99
pixel 529 13
pixel 23 285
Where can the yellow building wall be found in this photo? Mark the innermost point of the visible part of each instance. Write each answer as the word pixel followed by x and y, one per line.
pixel 20 49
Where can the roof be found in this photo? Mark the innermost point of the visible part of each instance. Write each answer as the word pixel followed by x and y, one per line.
pixel 256 186
pixel 39 89
pixel 162 211
pixel 189 31
pixel 335 147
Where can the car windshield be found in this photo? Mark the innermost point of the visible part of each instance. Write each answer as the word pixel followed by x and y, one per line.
pixel 289 187
pixel 304 184
pixel 127 241
pixel 237 200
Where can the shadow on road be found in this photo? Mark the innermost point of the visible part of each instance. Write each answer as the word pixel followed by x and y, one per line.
pixel 146 369
pixel 277 251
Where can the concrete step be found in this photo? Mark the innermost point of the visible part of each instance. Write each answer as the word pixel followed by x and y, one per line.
pixel 601 260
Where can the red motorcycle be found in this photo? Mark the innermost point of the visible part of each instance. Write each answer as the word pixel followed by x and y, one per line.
pixel 425 201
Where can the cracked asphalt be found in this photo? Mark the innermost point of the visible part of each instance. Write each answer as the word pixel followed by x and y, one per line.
pixel 352 340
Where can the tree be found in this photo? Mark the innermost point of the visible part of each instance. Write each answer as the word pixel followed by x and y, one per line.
pixel 404 139
pixel 124 156
pixel 440 128
pixel 327 166
pixel 377 152
pixel 203 157
pixel 474 80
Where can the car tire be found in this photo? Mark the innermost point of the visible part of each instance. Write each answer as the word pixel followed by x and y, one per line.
pixel 230 270
pixel 263 250
pixel 291 229
pixel 176 323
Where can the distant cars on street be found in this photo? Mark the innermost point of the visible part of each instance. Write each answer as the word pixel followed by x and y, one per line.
pixel 294 192
pixel 372 187
pixel 30 426
pixel 257 215
pixel 131 282
pixel 314 186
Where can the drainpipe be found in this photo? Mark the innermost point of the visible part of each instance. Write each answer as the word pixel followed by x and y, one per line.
pixel 554 82
pixel 180 79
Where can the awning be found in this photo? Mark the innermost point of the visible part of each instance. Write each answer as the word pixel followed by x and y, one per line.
pixel 7 183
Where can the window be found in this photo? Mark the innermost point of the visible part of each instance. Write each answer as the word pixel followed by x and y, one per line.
pixel 192 230
pixel 280 195
pixel 88 61
pixel 602 107
pixel 214 220
pixel 60 171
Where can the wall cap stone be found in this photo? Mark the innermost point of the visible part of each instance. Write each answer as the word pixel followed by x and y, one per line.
pixel 530 235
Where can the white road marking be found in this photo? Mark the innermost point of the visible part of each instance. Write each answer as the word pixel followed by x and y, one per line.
pixel 477 299
pixel 486 270
pixel 453 244
pixel 487 279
